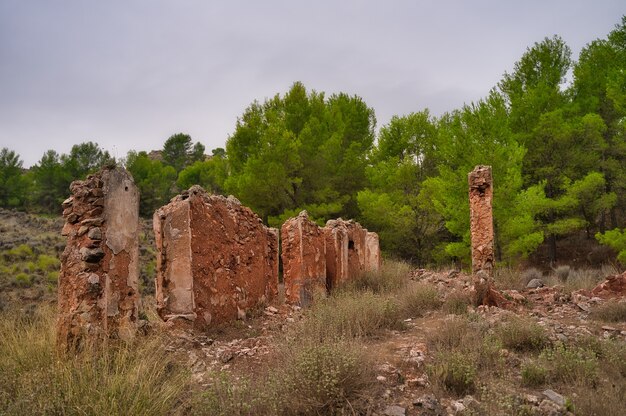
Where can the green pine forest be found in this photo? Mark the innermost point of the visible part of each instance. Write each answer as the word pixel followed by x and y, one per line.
pixel 553 129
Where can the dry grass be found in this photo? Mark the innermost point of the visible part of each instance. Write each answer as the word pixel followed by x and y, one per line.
pixel 521 335
pixel 127 379
pixel 419 298
pixel 457 303
pixel 611 311
pixel 463 355
pixel 392 277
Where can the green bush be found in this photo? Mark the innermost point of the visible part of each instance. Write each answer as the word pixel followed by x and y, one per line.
pixel 571 365
pixel 23 280
pixel 534 375
pixel 46 263
pixel 616 239
pixel 52 277
pixel 454 372
pixel 21 252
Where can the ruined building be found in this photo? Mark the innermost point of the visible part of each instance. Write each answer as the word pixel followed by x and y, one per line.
pixel 316 260
pixel 98 296
pixel 215 259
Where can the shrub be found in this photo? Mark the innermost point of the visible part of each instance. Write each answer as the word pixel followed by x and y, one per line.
pixel 509 278
pixel 52 277
pixel 322 378
pixel 21 252
pixel 454 372
pixel 530 274
pixel 611 311
pixel 48 263
pixel 522 335
pixel 23 280
pixel 457 302
pixel 562 272
pixel 534 375
pixel 351 315
pixel 313 378
pixel 571 365
pixel 418 299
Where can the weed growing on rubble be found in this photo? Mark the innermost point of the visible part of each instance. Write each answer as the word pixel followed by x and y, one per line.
pixel 132 379
pixel 522 335
pixel 351 315
pixel 611 311
pixel 418 299
pixel 457 302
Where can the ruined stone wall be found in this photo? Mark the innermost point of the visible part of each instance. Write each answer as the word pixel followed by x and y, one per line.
pixel 372 252
pixel 215 260
pixel 99 269
pixel 481 219
pixel 357 251
pixel 336 236
pixel 304 260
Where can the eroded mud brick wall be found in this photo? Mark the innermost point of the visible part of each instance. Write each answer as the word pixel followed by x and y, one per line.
pixel 304 260
pixel 215 259
pixel 481 219
pixel 356 249
pixel 99 267
pixel 336 236
pixel 372 252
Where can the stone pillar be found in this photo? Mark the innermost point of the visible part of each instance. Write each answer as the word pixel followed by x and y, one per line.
pixel 98 295
pixel 304 260
pixel 336 236
pixel 215 260
pixel 372 251
pixel 481 219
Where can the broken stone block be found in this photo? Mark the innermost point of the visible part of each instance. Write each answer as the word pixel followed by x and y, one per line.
pixel 304 260
pixel 98 295
pixel 336 236
pixel 215 259
pixel 372 252
pixel 481 219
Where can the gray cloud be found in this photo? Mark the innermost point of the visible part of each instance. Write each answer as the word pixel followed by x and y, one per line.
pixel 128 74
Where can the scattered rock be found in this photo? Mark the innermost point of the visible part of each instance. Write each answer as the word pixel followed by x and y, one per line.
pixel 394 411
pixel 554 396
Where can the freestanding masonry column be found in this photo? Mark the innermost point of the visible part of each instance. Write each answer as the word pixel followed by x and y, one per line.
pixel 481 219
pixel 98 296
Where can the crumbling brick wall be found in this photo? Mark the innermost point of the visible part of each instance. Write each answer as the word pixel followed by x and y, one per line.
pixel 336 236
pixel 356 249
pixel 304 260
pixel 372 252
pixel 99 270
pixel 215 259
pixel 481 219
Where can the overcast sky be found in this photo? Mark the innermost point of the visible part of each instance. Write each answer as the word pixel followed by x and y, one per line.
pixel 128 74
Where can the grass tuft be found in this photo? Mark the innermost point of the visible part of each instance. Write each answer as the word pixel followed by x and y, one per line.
pixel 128 379
pixel 611 311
